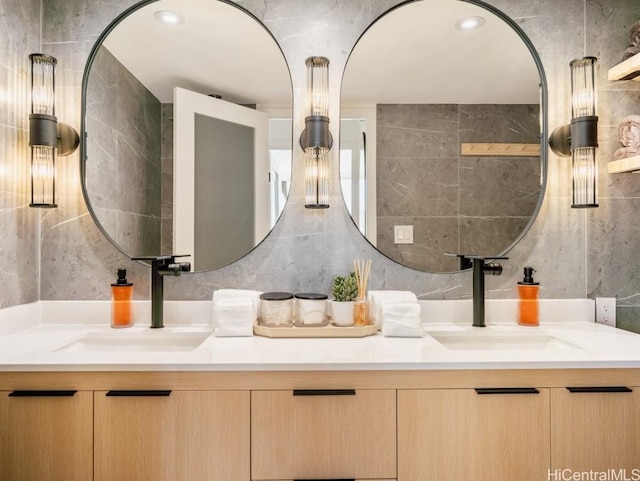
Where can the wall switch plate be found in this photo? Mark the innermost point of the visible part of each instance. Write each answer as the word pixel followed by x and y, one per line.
pixel 403 234
pixel 606 311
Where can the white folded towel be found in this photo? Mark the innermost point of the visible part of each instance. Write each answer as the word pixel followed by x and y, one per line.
pixel 234 312
pixel 402 320
pixel 629 131
pixel 378 298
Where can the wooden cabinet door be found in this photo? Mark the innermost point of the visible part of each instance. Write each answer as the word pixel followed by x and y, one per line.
pixel 593 429
pixel 323 434
pixel 461 435
pixel 183 436
pixel 46 435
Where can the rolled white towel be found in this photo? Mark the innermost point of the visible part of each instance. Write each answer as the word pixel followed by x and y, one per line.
pixel 377 298
pixel 402 320
pixel 234 317
pixel 629 131
pixel 228 294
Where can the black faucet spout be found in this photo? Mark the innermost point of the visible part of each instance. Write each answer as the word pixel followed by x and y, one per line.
pixel 161 266
pixel 481 268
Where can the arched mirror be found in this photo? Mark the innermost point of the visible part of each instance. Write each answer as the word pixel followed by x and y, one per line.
pixel 187 131
pixel 442 124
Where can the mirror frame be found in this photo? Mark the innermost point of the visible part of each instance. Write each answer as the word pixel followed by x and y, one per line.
pixel 544 121
pixel 83 113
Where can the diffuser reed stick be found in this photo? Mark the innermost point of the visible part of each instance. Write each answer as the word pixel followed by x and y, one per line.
pixel 361 308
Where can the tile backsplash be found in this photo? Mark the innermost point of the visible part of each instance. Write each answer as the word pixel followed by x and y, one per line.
pixel 577 253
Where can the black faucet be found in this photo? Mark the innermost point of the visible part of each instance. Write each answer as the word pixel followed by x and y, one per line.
pixel 480 268
pixel 161 266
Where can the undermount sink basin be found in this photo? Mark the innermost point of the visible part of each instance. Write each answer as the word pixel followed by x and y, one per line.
pixel 501 340
pixel 141 341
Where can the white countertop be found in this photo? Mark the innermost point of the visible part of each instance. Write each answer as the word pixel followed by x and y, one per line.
pixel 31 336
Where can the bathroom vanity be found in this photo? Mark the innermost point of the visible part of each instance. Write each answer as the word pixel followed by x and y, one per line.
pixel 504 402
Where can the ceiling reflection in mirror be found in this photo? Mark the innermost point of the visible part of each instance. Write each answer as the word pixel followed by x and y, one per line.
pixel 440 134
pixel 134 160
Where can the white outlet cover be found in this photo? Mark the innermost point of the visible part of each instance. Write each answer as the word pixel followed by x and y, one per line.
pixel 403 234
pixel 606 310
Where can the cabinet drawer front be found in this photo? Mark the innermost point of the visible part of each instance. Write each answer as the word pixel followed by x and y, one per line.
pixel 457 434
pixel 184 436
pixel 327 436
pixel 595 428
pixel 46 435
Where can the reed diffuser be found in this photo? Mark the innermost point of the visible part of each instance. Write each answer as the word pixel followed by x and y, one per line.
pixel 361 307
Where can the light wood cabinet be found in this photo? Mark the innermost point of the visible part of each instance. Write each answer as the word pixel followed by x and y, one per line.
pixel 461 435
pixel 176 436
pixel 323 434
pixel 596 429
pixel 46 435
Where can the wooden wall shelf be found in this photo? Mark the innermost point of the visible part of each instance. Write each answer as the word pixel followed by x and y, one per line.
pixel 500 150
pixel 627 70
pixel 630 164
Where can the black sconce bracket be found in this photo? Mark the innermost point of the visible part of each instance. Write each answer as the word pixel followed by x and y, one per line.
pixel 582 132
pixel 47 131
pixel 316 132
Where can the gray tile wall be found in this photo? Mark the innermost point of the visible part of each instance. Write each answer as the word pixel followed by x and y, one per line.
pixel 124 180
pixel 574 251
pixel 19 235
pixel 472 205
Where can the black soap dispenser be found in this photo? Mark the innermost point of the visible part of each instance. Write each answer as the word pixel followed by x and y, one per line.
pixel 528 309
pixel 121 301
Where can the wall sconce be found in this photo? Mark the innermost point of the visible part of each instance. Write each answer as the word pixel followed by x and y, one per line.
pixel 316 140
pixel 46 135
pixel 580 138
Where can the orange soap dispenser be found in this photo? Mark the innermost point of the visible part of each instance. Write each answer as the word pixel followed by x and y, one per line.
pixel 121 301
pixel 528 313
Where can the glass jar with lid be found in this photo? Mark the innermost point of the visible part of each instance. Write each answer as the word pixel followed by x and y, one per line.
pixel 276 309
pixel 311 309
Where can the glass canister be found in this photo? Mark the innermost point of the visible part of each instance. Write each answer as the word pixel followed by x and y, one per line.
pixel 276 309
pixel 311 309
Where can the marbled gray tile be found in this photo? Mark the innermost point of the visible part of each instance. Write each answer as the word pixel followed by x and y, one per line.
pixel 489 235
pixel 499 186
pixel 500 123
pixel 628 318
pixel 414 130
pixel 138 234
pixel 417 186
pixel 613 238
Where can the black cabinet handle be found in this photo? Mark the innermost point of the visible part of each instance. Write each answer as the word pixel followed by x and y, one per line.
pixel 507 390
pixel 327 479
pixel 41 393
pixel 139 393
pixel 324 392
pixel 596 389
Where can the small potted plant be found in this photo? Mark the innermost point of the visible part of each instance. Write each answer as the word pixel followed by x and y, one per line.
pixel 345 291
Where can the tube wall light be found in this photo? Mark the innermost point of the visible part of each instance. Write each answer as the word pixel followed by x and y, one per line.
pixel 580 138
pixel 46 135
pixel 316 140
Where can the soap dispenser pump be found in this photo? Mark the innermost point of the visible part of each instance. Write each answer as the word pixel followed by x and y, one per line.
pixel 121 301
pixel 528 310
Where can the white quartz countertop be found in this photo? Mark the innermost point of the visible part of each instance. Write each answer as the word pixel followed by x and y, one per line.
pixel 48 345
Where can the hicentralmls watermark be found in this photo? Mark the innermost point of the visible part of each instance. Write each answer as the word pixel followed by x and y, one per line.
pixel 607 475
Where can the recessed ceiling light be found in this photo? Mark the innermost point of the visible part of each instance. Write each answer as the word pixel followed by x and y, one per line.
pixel 470 23
pixel 168 17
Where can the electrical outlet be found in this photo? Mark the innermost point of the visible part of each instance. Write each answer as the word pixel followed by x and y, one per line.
pixel 606 310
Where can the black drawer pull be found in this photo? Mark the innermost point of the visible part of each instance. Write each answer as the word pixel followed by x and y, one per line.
pixel 596 389
pixel 327 479
pixel 324 392
pixel 40 393
pixel 139 393
pixel 507 390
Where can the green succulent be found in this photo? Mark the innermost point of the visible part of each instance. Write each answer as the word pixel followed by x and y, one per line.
pixel 345 288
